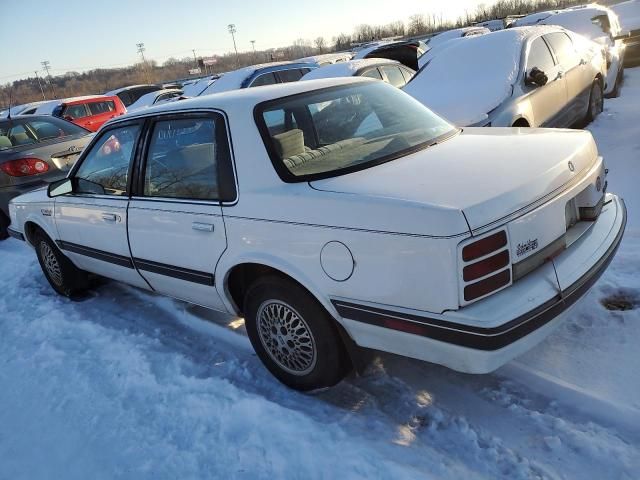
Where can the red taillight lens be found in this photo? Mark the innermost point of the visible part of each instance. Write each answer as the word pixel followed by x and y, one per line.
pixel 488 285
pixel 24 167
pixel 486 266
pixel 485 246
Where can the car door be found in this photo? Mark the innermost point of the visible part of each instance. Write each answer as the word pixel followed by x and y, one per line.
pixel 76 113
pixel 176 229
pixel 573 66
pixel 101 112
pixel 547 102
pixel 92 221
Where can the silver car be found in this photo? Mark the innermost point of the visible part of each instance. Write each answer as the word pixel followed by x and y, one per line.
pixel 35 150
pixel 521 77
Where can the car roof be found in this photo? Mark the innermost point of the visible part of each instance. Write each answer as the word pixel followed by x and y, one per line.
pixel 131 87
pixel 347 69
pixel 245 98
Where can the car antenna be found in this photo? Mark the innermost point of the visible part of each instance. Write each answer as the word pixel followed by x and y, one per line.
pixel 10 97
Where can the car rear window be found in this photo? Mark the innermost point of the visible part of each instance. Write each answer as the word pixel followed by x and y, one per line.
pixel 17 132
pixel 98 108
pixel 292 75
pixel 75 111
pixel 338 130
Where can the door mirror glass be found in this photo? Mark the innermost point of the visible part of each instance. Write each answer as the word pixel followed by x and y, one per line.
pixel 69 118
pixel 60 187
pixel 537 77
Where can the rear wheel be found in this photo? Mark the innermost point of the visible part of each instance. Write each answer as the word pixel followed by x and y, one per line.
pixel 4 225
pixel 596 101
pixel 62 275
pixel 293 335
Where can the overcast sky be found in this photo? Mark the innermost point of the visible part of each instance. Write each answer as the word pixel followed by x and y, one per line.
pixel 79 35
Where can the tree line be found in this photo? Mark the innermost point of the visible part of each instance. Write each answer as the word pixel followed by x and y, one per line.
pixel 101 80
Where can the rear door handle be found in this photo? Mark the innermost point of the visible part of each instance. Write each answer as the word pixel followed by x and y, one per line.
pixel 560 75
pixel 203 227
pixel 583 61
pixel 109 217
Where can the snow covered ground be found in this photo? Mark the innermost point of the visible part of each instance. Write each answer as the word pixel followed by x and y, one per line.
pixel 124 384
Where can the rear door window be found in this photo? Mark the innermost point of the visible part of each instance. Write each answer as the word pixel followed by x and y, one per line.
pixel 264 79
pixel 372 73
pixel 408 74
pixel 98 108
pixel 563 48
pixel 75 111
pixel 292 75
pixel 188 158
pixel 394 76
pixel 539 56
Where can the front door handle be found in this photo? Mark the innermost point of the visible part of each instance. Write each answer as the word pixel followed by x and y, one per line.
pixel 203 227
pixel 109 217
pixel 560 75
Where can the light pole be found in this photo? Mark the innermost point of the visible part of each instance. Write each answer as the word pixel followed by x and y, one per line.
pixel 232 30
pixel 40 85
pixel 47 66
pixel 141 50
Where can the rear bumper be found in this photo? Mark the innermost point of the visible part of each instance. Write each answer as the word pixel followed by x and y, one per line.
pixel 486 335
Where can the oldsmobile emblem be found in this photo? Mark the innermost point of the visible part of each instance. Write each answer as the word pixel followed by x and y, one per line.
pixel 526 247
pixel 571 166
pixel 598 184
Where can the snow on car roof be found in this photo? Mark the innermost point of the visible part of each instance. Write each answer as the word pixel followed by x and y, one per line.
pixel 474 77
pixel 577 19
pixel 326 58
pixel 455 33
pixel 46 108
pixel 244 99
pixel 128 87
pixel 345 69
pixel 628 14
pixel 233 80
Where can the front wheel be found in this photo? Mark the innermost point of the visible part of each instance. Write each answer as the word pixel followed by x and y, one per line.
pixel 293 335
pixel 596 100
pixel 62 275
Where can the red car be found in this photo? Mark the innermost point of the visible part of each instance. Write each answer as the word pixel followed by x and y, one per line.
pixel 88 112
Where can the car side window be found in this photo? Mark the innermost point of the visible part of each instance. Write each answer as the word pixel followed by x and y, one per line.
pixel 292 75
pixel 105 168
pixel 264 79
pixel 188 159
pixel 394 75
pixel 408 74
pixel 97 108
pixel 563 48
pixel 75 111
pixel 373 73
pixel 539 56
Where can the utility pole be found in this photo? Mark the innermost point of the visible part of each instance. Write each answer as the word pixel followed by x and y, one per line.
pixel 141 50
pixel 253 45
pixel 40 85
pixel 47 66
pixel 232 30
pixel 195 60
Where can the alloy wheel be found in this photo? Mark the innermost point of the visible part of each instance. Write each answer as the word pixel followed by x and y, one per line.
pixel 286 337
pixel 51 264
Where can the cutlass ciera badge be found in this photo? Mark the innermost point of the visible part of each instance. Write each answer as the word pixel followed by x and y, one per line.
pixel 526 247
pixel 571 166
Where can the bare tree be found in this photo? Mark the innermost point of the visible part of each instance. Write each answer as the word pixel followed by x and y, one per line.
pixel 320 44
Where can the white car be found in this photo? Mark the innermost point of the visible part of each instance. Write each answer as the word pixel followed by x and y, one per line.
pixel 389 71
pixel 629 17
pixel 521 77
pixel 597 23
pixel 153 98
pixel 459 247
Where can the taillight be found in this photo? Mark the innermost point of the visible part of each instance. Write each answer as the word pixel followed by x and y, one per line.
pixel 486 266
pixel 23 167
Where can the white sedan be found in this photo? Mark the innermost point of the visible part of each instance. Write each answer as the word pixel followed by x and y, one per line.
pixel 154 98
pixel 335 213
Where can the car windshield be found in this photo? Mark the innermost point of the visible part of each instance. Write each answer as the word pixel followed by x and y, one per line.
pixel 338 130
pixel 16 132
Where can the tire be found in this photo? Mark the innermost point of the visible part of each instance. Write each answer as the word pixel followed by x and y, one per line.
pixel 615 93
pixel 596 101
pixel 304 352
pixel 63 276
pixel 4 224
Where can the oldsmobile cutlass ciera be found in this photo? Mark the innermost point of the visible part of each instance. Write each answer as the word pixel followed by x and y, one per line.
pixel 336 212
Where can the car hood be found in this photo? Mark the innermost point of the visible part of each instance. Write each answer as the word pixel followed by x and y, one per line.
pixel 486 173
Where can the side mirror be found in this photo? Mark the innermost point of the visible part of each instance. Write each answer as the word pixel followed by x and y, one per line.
pixel 537 77
pixel 60 187
pixel 68 118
